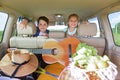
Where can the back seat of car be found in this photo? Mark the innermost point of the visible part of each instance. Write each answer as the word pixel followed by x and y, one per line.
pixel 57 35
pixel 25 39
pixel 87 34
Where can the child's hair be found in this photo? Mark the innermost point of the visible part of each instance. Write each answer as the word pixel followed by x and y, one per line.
pixel 20 18
pixel 73 15
pixel 43 18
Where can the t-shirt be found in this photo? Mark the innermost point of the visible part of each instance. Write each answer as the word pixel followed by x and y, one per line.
pixel 71 33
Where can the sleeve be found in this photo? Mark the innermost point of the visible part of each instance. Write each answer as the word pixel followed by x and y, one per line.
pixel 47 31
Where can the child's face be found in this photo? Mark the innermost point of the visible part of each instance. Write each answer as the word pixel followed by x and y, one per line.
pixel 42 25
pixel 73 22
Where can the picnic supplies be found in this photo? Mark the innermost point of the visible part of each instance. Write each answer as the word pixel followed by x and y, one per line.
pixel 60 59
pixel 18 63
pixel 73 72
pixel 61 50
pixel 88 65
pixel 51 72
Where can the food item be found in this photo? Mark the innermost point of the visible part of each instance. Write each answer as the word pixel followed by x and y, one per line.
pixel 54 69
pixel 86 57
pixel 93 75
pixel 102 64
pixel 77 73
pixel 87 65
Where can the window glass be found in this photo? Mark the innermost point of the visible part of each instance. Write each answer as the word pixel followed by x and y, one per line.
pixel 3 20
pixel 59 23
pixel 114 19
pixel 57 28
pixel 95 20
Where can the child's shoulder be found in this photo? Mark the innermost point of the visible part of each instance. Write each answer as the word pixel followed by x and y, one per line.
pixel 65 30
pixel 47 31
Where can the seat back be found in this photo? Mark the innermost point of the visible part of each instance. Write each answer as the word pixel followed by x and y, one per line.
pixel 87 32
pixel 87 29
pixel 25 38
pixel 57 34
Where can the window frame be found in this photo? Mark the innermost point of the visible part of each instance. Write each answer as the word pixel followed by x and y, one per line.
pixel 112 29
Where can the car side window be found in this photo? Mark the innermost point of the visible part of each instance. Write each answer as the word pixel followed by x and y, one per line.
pixel 3 21
pixel 114 19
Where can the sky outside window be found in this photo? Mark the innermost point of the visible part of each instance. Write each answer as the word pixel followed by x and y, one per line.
pixel 3 19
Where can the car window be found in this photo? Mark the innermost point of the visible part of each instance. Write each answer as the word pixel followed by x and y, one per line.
pixel 95 20
pixel 59 23
pixel 3 21
pixel 114 19
pixel 57 28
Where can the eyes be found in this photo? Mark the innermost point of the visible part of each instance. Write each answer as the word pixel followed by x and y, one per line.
pixel 42 23
pixel 73 19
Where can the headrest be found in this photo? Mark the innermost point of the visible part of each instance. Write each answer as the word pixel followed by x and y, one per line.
pixel 87 29
pixel 30 29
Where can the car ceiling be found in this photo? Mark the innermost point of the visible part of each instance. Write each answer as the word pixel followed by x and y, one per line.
pixel 49 8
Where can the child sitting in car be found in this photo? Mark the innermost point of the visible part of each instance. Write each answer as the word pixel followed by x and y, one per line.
pixel 72 25
pixel 42 27
pixel 24 22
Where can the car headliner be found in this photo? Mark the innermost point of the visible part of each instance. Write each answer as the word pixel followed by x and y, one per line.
pixel 49 8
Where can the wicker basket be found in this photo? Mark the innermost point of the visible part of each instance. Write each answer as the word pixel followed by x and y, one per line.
pixel 75 73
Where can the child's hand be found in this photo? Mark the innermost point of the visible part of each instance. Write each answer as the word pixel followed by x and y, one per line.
pixel 45 34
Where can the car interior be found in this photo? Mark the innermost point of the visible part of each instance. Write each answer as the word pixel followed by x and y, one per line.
pixel 97 34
